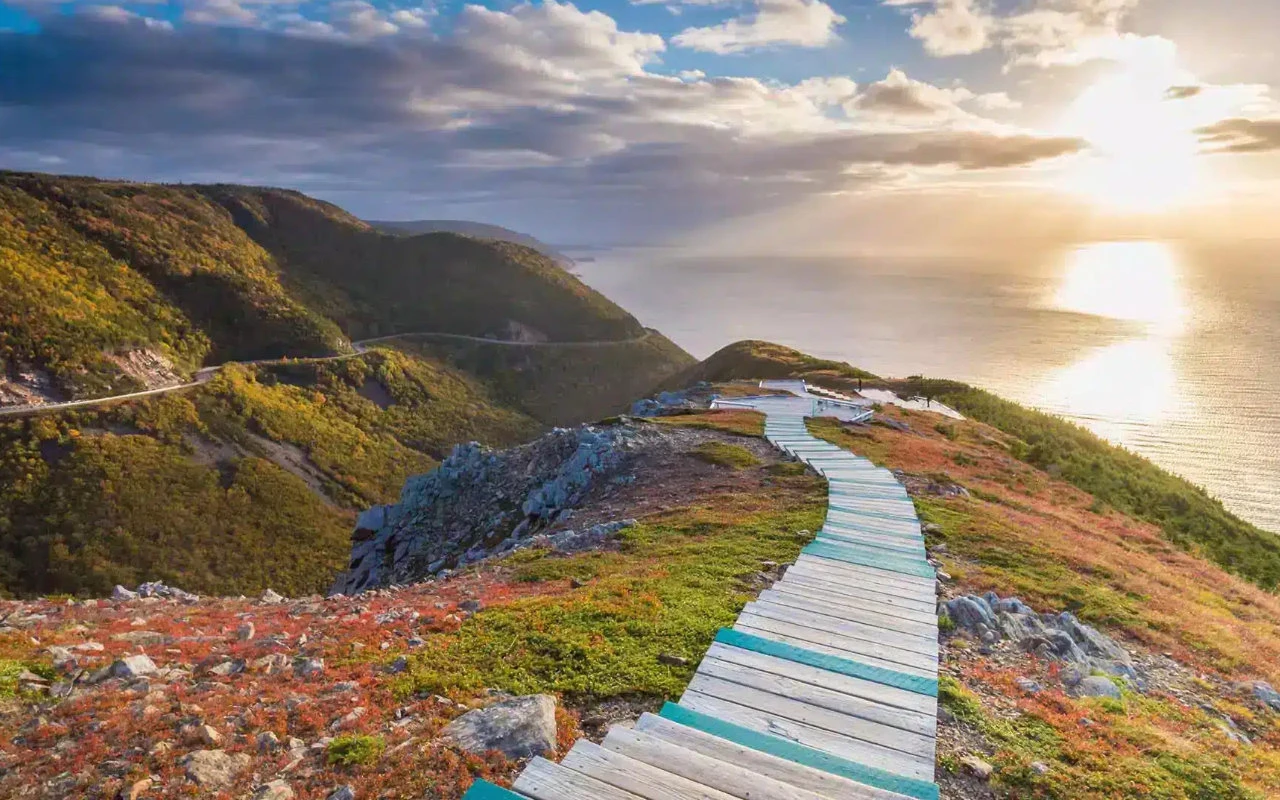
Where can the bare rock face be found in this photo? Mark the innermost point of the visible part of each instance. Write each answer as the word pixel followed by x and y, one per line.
pixel 521 727
pixel 479 502
pixel 215 769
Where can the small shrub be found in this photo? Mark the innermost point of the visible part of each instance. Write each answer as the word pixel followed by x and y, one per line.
pixel 734 456
pixel 355 750
pixel 787 469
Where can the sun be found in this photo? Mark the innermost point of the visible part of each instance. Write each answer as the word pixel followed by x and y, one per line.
pixel 1143 153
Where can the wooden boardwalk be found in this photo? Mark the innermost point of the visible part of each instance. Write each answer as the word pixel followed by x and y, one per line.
pixel 825 688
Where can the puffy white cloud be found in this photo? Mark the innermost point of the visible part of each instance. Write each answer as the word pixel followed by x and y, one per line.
pixel 954 28
pixel 801 23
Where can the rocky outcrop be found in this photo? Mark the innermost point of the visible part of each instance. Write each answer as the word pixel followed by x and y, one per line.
pixel 1059 637
pixel 479 502
pixel 521 727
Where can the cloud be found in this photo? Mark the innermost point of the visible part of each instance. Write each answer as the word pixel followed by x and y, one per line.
pixel 1042 33
pixel 1240 135
pixel 1182 92
pixel 996 101
pixel 800 23
pixel 954 28
pixel 546 107
pixel 899 94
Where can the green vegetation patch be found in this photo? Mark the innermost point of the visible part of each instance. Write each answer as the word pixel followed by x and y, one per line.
pixel 1187 514
pixel 673 584
pixel 723 454
pixel 11 669
pixel 355 750
pixel 754 359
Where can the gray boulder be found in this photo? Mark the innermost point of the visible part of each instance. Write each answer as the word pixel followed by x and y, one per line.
pixel 1098 686
pixel 1265 694
pixel 971 611
pixel 215 769
pixel 521 727
pixel 136 666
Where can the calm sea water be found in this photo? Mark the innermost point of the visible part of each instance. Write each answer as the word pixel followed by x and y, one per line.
pixel 1170 350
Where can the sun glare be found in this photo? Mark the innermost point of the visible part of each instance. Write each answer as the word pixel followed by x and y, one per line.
pixel 1144 147
pixel 1130 281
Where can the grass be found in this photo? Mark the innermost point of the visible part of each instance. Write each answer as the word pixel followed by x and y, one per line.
pixel 675 581
pixel 355 750
pixel 1135 747
pixel 754 359
pixel 1124 481
pixel 722 454
pixel 10 669
pixel 741 423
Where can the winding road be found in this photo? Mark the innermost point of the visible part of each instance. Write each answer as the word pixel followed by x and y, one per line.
pixel 206 374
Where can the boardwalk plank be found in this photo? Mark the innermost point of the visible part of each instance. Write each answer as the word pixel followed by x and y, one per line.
pixel 808 735
pixel 825 641
pixel 641 779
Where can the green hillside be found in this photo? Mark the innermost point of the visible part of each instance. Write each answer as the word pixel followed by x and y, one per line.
pixel 253 479
pixel 248 482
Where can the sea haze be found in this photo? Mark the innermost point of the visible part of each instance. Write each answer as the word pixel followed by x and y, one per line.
pixel 1169 349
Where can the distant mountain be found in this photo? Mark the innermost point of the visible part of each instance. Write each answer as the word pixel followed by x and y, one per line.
pixel 480 230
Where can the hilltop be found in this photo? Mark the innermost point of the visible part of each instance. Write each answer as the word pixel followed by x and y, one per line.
pixel 480 230
pixel 608 600
pixel 111 287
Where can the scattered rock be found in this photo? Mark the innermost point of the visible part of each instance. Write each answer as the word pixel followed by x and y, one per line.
pixel 268 742
pixel 396 667
pixel 672 660
pixel 1098 686
pixel 209 735
pixel 977 767
pixel 136 666
pixel 1039 767
pixel 245 632
pixel 521 727
pixel 342 793
pixel 137 789
pixel 275 790
pixel 1265 694
pixel 214 769
pixel 309 667
pixel 470 606
pixel 121 593
pixel 158 589
pixel 1029 686
pixel 271 597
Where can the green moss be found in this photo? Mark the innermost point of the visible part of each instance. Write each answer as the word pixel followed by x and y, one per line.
pixel 721 454
pixel 10 669
pixel 670 587
pixel 355 750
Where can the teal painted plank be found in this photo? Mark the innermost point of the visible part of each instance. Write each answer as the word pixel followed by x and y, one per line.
pixel 857 548
pixel 483 790
pixel 905 549
pixel 888 677
pixel 919 569
pixel 800 754
pixel 862 512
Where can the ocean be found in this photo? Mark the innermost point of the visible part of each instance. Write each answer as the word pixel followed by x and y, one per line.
pixel 1169 349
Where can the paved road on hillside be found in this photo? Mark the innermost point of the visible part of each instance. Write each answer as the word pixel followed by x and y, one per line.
pixel 206 374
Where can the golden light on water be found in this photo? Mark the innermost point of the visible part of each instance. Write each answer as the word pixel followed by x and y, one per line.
pixel 1130 281
pixel 1132 381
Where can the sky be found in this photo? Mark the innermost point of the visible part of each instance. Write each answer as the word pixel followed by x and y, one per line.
pixel 753 123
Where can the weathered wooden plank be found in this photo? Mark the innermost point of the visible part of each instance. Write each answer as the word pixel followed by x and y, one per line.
pixel 858 575
pixel 926 628
pixel 918 705
pixel 824 642
pixel 641 779
pixel 784 761
pixel 882 604
pixel 723 774
pixel 873 524
pixel 896 511
pixel 861 649
pixel 901 643
pixel 851 555
pixel 827 741
pixel 917 727
pixel 545 780
pixel 885 745
pixel 865 557
pixel 887 542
